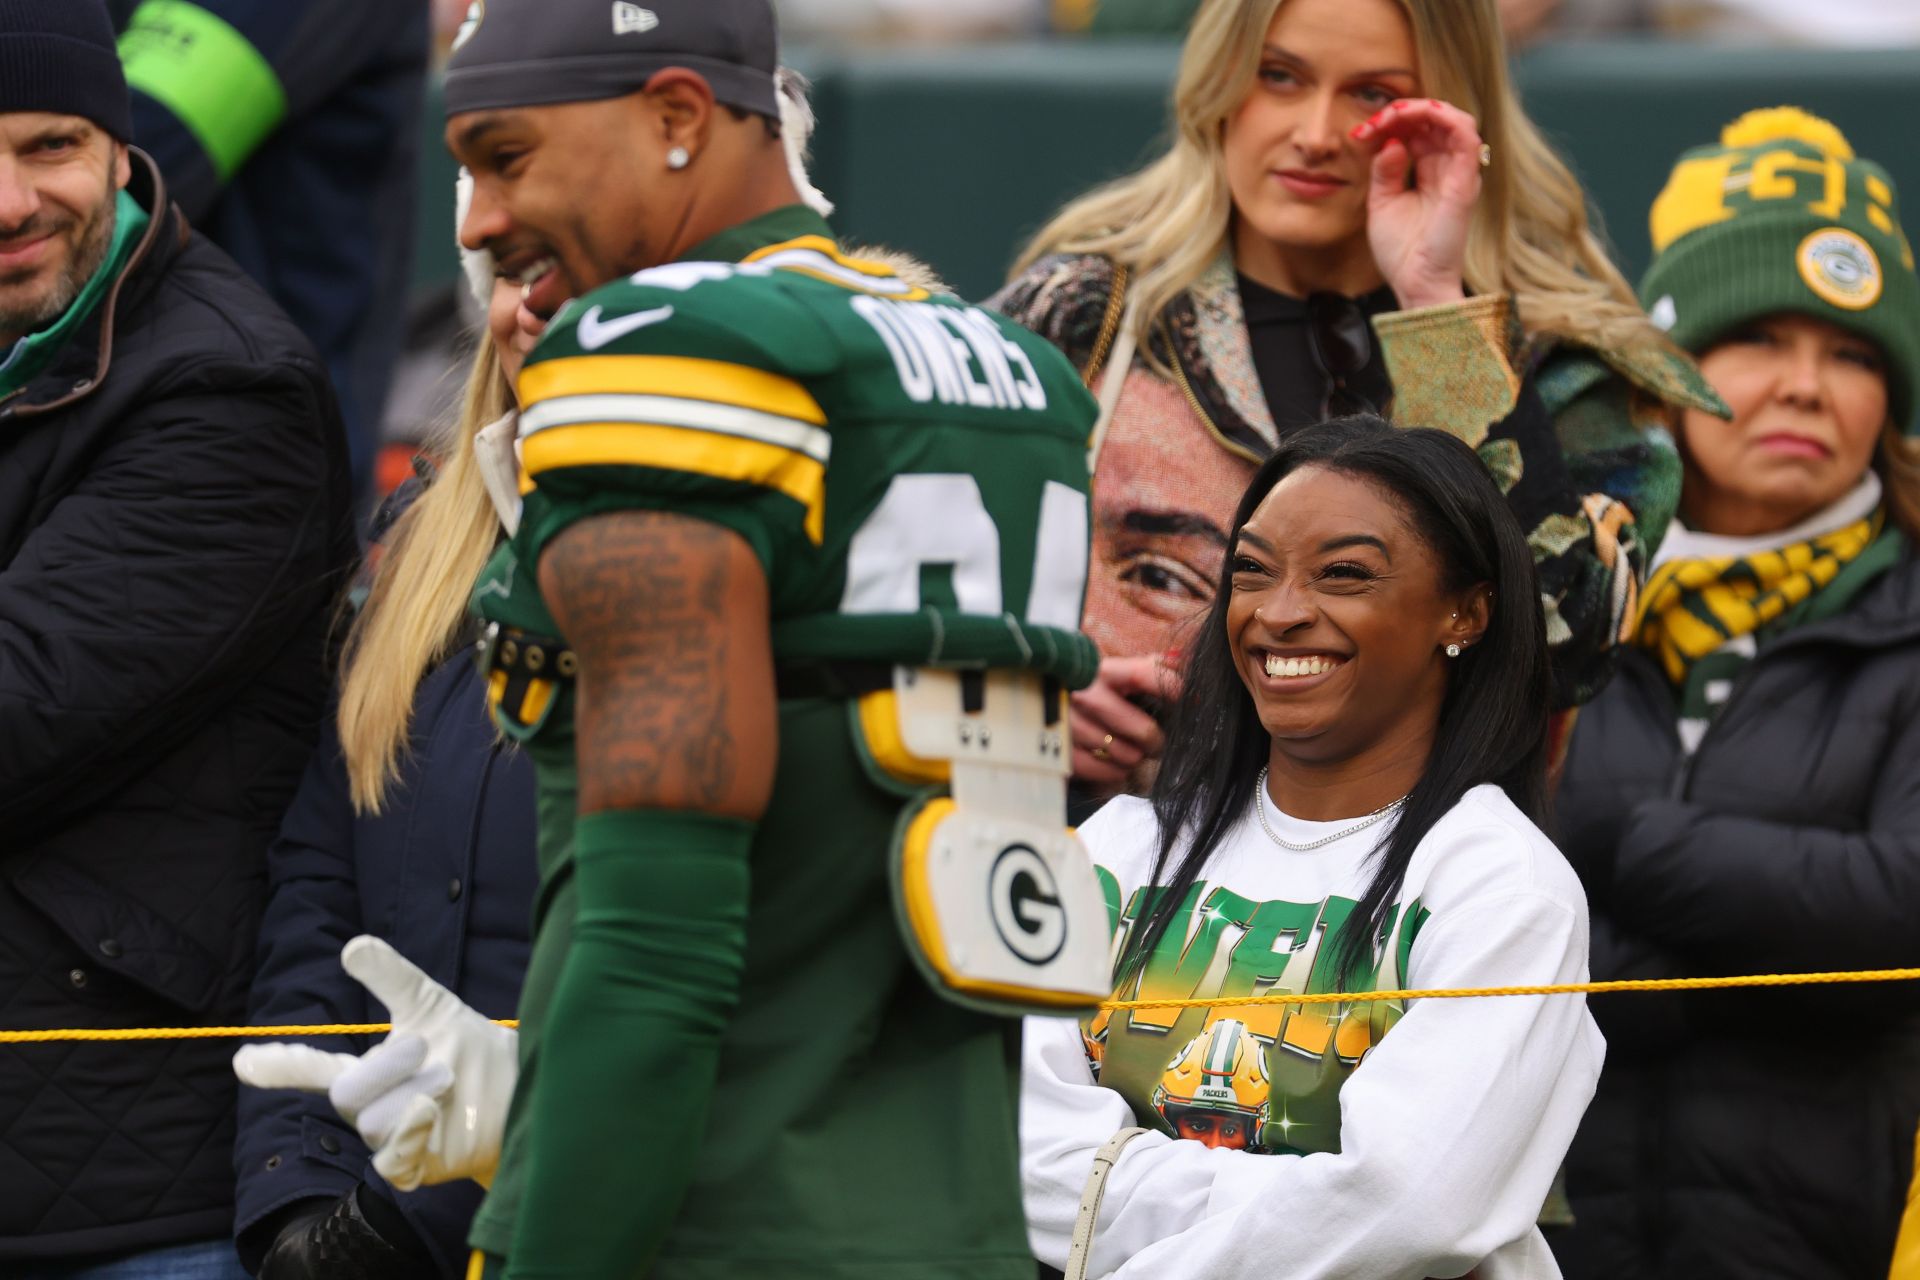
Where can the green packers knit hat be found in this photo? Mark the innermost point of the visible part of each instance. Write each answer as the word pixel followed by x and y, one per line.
pixel 529 53
pixel 1782 216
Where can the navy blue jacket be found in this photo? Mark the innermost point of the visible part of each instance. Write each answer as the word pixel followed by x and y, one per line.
pixel 310 185
pixel 446 874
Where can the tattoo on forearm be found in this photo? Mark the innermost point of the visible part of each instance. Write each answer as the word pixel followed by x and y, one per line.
pixel 641 597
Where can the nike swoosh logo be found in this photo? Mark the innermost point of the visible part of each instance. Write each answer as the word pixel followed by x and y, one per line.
pixel 595 333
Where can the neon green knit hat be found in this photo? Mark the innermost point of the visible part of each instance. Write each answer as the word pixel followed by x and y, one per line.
pixel 1782 216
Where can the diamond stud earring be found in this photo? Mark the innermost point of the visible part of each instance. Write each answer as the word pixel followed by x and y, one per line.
pixel 1453 651
pixel 679 158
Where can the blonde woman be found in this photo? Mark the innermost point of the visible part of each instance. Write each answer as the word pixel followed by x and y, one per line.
pixel 416 824
pixel 1355 214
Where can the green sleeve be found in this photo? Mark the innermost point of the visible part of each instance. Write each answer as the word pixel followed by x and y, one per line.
pixel 632 1040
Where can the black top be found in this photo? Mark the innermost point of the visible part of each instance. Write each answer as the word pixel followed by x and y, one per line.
pixel 1294 383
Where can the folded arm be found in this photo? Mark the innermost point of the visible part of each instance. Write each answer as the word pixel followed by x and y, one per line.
pixel 1450 1133
pixel 1737 892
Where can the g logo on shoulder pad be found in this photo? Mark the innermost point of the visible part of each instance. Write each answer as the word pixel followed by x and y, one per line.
pixel 1025 902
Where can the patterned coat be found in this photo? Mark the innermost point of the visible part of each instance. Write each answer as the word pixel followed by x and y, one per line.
pixel 1579 440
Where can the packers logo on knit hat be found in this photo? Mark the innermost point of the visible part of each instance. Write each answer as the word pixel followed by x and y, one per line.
pixel 1781 217
pixel 1840 267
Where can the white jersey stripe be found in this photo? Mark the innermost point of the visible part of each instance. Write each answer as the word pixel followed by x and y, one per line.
pixel 672 411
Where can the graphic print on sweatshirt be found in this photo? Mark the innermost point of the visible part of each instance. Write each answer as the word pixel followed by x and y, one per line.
pixel 1262 1078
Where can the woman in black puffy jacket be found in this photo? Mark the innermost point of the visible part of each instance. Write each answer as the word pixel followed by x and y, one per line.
pixel 1745 796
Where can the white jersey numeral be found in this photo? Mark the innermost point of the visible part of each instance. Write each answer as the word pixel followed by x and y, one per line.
pixel 942 520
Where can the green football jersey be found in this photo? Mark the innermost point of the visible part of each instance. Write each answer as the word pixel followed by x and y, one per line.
pixel 912 474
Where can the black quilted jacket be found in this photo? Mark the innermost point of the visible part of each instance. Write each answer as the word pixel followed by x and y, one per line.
pixel 1768 1134
pixel 173 519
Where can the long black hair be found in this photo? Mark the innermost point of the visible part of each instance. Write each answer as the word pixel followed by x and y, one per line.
pixel 1493 720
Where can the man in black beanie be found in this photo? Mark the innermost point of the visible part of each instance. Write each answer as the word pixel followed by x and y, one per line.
pixel 173 499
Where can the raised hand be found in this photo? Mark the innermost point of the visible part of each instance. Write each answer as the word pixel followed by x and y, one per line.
pixel 431 1099
pixel 1112 733
pixel 1425 183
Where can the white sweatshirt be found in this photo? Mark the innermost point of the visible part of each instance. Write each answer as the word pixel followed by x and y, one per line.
pixel 1431 1158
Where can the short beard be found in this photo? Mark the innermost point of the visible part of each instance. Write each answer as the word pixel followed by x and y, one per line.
pixel 89 256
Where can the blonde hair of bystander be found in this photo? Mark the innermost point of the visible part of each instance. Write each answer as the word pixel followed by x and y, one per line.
pixel 414 614
pixel 1530 236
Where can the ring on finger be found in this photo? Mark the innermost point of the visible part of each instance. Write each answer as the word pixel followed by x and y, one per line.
pixel 1101 752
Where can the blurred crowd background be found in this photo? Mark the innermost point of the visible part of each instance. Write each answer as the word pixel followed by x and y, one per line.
pixel 1844 23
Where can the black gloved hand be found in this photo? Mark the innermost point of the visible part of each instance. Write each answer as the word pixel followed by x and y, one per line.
pixel 335 1240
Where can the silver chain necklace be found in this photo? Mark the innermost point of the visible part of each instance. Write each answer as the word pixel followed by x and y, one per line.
pixel 1260 808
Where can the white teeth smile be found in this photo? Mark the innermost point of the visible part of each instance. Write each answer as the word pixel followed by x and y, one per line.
pixel 535 272
pixel 1308 666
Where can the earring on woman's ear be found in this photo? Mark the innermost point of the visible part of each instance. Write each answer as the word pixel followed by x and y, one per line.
pixel 1453 651
pixel 679 158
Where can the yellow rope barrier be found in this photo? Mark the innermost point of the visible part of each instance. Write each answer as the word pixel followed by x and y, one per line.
pixel 1215 1002
pixel 204 1033
pixel 1560 989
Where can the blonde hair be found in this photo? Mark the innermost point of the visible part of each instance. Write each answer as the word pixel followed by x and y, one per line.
pixel 1530 238
pixel 1899 467
pixel 413 615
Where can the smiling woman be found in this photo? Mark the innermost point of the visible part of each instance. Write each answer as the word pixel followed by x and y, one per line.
pixel 1347 803
pixel 1355 214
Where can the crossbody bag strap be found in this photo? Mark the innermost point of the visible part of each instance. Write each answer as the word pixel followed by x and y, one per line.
pixel 1112 383
pixel 1089 1214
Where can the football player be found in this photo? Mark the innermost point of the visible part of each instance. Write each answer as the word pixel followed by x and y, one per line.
pixel 785 622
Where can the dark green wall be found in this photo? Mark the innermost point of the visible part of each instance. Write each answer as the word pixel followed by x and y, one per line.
pixel 957 155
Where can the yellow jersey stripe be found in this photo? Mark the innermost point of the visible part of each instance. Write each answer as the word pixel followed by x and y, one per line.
pixel 601 444
pixel 820 244
pixel 683 377
pixel 820 258
pixel 666 411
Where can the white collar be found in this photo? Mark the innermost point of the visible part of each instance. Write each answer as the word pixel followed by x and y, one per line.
pixel 1684 544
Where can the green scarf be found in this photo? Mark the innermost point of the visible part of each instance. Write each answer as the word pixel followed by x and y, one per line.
pixel 32 354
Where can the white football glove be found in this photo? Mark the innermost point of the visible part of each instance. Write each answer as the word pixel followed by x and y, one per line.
pixel 431 1099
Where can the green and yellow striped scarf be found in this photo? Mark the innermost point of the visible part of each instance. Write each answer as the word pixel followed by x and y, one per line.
pixel 1692 607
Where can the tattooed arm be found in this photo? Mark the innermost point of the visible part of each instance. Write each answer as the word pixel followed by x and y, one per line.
pixel 668 618
pixel 677 739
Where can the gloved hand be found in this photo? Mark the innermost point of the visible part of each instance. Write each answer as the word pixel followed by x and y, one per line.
pixel 431 1099
pixel 336 1240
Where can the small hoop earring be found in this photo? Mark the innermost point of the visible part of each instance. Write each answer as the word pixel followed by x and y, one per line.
pixel 1453 651
pixel 679 158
